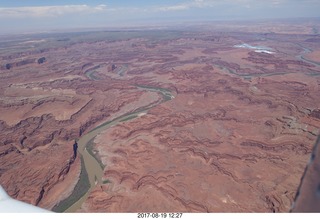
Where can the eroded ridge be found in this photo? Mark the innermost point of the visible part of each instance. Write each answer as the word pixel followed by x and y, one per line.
pixel 193 123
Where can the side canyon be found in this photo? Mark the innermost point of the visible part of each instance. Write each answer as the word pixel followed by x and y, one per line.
pixel 179 121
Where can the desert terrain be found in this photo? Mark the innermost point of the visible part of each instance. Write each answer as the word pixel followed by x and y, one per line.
pixel 215 118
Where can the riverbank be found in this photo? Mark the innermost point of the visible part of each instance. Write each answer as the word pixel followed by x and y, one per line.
pixel 80 189
pixel 91 166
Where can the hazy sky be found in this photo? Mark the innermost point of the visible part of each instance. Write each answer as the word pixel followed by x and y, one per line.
pixel 37 15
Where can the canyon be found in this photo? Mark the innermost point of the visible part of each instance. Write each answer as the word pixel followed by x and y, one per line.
pixel 171 120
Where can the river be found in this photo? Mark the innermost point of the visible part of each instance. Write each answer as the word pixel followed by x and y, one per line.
pixel 93 167
pixel 249 75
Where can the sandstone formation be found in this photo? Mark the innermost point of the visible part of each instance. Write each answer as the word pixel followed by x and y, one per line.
pixel 210 127
pixel 214 148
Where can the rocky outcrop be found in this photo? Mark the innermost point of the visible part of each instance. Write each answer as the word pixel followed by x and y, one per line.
pixel 41 60
pixel 263 58
pixel 31 183
pixel 18 64
pixel 315 113
pixel 230 113
pixel 197 136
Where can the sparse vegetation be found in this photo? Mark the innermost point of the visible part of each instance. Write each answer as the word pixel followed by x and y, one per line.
pixel 106 181
pixel 129 118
